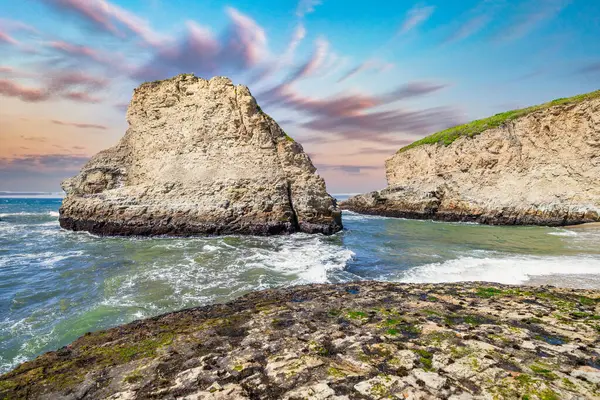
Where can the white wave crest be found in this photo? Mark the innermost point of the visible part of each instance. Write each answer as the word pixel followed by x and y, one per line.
pixel 30 214
pixel 563 232
pixel 507 269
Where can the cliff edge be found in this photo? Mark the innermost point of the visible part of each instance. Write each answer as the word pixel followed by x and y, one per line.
pixel 537 166
pixel 199 157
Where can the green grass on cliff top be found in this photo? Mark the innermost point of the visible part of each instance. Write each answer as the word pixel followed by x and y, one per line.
pixel 474 128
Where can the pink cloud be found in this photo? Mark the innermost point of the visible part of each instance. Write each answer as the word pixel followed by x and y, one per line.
pixel 11 89
pixel 354 116
pixel 242 47
pixel 76 50
pixel 82 97
pixel 79 125
pixel 108 17
pixel 245 42
pixel 64 80
pixel 6 38
pixel 313 63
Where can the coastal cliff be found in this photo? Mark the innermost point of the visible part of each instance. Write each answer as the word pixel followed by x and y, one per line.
pixel 538 166
pixel 366 340
pixel 199 157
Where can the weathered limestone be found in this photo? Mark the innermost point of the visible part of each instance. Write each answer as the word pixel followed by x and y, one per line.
pixel 540 169
pixel 367 340
pixel 199 157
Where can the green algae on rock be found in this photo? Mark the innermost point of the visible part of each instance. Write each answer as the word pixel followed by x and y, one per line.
pixel 367 340
pixel 448 136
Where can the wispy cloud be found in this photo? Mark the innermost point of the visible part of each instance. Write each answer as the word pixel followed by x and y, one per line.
pixel 469 28
pixel 592 68
pixel 39 139
pixel 7 39
pixel 534 13
pixel 349 169
pixel 375 150
pixel 306 7
pixel 108 18
pixel 313 63
pixel 368 65
pixel 79 125
pixel 11 89
pixel 475 20
pixel 415 17
pixel 77 50
pixel 9 25
pixel 354 116
pixel 242 47
pixel 35 162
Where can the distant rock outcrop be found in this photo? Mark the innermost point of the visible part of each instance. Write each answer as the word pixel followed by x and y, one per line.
pixel 538 166
pixel 199 157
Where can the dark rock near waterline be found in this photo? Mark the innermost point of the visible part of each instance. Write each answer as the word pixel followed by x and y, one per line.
pixel 366 340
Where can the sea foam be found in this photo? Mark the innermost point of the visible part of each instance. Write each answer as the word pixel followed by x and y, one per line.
pixel 502 269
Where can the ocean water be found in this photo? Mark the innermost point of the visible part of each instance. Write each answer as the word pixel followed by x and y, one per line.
pixel 56 285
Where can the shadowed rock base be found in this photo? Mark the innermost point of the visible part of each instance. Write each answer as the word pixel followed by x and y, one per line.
pixel 366 340
pixel 405 203
pixel 108 228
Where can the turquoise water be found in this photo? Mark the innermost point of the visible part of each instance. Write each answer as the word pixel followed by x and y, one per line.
pixel 56 285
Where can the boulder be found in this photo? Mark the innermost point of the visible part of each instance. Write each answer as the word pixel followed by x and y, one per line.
pixel 200 157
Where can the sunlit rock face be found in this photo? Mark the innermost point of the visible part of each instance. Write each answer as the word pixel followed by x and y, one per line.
pixel 199 157
pixel 540 169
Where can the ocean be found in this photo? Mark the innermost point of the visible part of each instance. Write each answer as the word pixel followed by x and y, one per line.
pixel 57 285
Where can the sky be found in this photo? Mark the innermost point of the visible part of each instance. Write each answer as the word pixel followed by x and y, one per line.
pixel 351 81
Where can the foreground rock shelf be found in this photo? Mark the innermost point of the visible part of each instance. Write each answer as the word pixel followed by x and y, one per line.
pixel 365 340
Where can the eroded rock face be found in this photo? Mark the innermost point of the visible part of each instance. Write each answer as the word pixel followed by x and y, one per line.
pixel 367 340
pixel 199 157
pixel 541 169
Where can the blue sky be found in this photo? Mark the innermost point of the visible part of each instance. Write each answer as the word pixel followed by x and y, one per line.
pixel 352 81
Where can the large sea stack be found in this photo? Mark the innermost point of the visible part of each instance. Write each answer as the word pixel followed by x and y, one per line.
pixel 199 157
pixel 536 166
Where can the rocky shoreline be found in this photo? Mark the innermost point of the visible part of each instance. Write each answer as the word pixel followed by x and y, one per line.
pixel 395 203
pixel 366 340
pixel 537 166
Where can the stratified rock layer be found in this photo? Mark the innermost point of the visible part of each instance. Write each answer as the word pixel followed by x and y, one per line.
pixel 365 340
pixel 540 169
pixel 199 157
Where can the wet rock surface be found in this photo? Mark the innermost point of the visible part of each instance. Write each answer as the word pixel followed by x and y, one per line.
pixel 200 157
pixel 366 340
pixel 540 169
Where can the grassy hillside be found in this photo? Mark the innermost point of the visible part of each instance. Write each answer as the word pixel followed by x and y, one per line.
pixel 474 128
